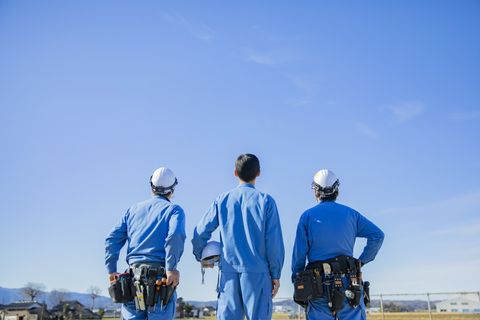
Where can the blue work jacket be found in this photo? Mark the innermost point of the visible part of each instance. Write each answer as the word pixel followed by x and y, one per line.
pixel 328 230
pixel 154 231
pixel 250 231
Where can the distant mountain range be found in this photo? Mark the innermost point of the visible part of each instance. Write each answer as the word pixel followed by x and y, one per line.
pixel 8 295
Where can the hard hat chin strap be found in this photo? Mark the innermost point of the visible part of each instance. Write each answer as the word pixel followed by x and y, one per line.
pixel 163 190
pixel 209 262
pixel 325 190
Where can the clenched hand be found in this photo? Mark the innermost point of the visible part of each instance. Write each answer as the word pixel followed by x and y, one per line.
pixel 275 287
pixel 173 277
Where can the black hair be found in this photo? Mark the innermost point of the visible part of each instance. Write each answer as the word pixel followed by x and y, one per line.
pixel 247 166
pixel 163 195
pixel 326 197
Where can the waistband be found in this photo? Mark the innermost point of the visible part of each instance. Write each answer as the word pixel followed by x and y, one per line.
pixel 147 270
pixel 147 264
pixel 340 264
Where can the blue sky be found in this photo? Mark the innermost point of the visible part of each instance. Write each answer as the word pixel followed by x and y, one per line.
pixel 96 95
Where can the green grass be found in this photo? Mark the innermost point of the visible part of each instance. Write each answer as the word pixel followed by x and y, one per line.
pixel 422 316
pixel 388 316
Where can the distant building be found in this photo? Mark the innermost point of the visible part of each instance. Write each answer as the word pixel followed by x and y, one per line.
pixel 25 311
pixel 209 311
pixel 112 313
pixel 458 304
pixel 281 309
pixel 196 313
pixel 69 310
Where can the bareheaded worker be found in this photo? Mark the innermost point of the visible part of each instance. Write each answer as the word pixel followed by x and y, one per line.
pixel 154 231
pixel 252 245
pixel 327 278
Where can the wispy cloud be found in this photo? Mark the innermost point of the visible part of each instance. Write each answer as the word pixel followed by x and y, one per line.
pixel 199 31
pixel 418 237
pixel 275 59
pixel 260 58
pixel 462 230
pixel 465 115
pixel 300 102
pixel 366 130
pixel 306 89
pixel 274 56
pixel 468 203
pixel 406 111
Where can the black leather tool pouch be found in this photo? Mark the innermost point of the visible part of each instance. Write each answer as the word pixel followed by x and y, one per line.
pixel 356 292
pixel 120 289
pixel 338 296
pixel 317 284
pixel 303 287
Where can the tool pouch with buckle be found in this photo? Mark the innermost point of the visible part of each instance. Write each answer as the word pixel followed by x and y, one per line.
pixel 303 284
pixel 120 289
pixel 337 293
pixel 308 285
pixel 166 293
pixel 355 295
pixel 338 296
pixel 355 288
pixel 150 287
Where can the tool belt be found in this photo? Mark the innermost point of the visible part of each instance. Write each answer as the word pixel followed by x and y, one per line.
pixel 323 278
pixel 146 284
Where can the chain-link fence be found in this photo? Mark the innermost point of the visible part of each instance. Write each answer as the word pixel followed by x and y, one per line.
pixel 428 305
pixel 398 306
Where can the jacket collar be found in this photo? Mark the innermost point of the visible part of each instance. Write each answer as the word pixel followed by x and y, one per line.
pixel 246 185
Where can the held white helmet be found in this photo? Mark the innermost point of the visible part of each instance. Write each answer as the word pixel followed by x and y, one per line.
pixel 325 182
pixel 210 256
pixel 163 181
pixel 212 250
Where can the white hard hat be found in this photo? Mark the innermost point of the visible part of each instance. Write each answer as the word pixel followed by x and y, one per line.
pixel 210 256
pixel 326 181
pixel 163 180
pixel 211 250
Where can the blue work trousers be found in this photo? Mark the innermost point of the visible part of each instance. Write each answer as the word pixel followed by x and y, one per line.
pixel 318 309
pixel 244 294
pixel 166 313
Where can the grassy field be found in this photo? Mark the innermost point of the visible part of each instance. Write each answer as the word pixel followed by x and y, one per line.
pixel 389 316
pixel 423 316
pixel 401 316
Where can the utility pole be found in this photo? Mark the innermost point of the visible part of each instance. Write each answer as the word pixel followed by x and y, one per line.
pixel 429 306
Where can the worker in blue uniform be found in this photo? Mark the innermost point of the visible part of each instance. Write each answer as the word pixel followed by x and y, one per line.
pixel 155 234
pixel 253 252
pixel 326 231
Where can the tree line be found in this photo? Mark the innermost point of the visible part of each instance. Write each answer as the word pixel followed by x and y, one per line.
pixel 32 291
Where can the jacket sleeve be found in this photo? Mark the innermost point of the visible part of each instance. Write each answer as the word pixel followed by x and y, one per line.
pixel 300 248
pixel 204 229
pixel 375 236
pixel 175 241
pixel 114 243
pixel 274 240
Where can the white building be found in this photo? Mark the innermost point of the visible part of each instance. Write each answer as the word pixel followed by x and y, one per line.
pixel 459 304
